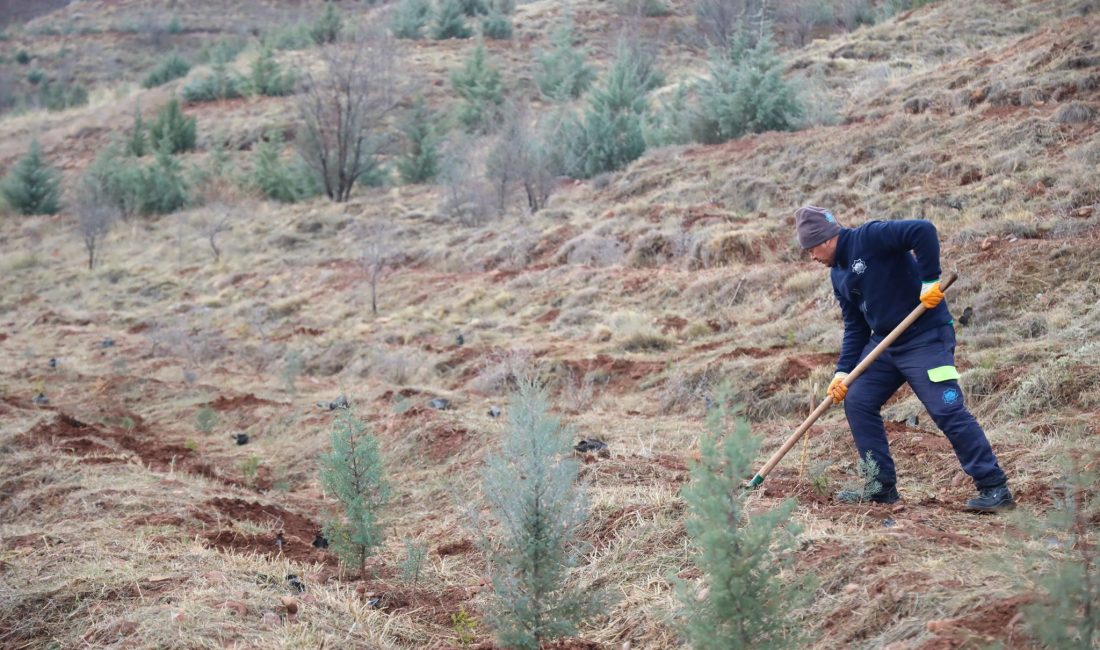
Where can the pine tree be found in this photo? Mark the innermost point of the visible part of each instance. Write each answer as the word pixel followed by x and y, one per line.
pixel 532 493
pixel 473 7
pixel 352 471
pixel 745 93
pixel 610 135
pixel 496 26
pixel 136 143
pixel 267 76
pixel 1060 563
pixel 171 68
pixel 744 604
pixel 479 85
pixel 410 17
pixel 275 178
pixel 32 186
pixel 163 188
pixel 450 22
pixel 172 127
pixel 671 123
pixel 421 161
pixel 328 26
pixel 562 73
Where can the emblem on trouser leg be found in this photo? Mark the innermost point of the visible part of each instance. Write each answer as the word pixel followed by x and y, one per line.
pixel 951 395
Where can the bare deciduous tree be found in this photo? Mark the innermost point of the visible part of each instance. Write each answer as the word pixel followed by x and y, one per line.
pixel 466 196
pixel 719 20
pixel 342 107
pixel 95 214
pixel 216 223
pixel 519 159
pixel 95 219
pixel 378 255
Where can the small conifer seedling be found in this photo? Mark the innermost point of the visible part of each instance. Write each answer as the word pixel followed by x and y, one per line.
pixel 352 471
pixel 743 602
pixel 531 487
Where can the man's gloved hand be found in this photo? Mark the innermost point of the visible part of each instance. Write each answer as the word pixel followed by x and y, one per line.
pixel 837 390
pixel 930 294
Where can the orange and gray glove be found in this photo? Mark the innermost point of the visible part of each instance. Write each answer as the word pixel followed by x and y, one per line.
pixel 837 390
pixel 930 294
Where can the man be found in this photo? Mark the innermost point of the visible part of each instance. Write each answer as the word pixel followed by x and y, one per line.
pixel 880 272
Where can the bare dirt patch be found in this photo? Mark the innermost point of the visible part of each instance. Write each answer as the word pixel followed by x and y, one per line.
pixel 297 531
pixel 458 547
pixel 238 402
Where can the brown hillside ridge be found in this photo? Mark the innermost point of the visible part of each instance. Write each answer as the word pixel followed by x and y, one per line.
pixel 130 515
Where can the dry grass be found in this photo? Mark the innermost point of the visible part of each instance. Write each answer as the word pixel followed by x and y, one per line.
pixel 638 295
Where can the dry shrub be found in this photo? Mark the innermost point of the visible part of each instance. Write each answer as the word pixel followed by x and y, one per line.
pixel 592 250
pixel 686 389
pixel 1060 383
pixel 332 359
pixel 636 333
pixel 804 283
pixel 399 366
pixel 713 294
pixel 578 392
pixel 650 250
pixel 1010 161
pixel 728 247
pixel 501 370
pixel 583 298
pixel 1074 113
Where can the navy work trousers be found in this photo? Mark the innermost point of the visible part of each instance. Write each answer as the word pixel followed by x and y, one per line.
pixel 910 363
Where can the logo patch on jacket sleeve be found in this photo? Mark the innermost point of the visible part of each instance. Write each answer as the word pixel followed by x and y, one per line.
pixel 951 395
pixel 859 266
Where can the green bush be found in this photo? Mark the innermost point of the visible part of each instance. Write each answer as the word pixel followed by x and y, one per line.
pixel 671 123
pixel 135 188
pixel 420 163
pixel 288 37
pixel 450 22
pixel 352 471
pixel 173 129
pixel 222 84
pixel 745 93
pixel 562 73
pixel 59 95
pixel 223 51
pixel 473 7
pixel 530 484
pixel 171 68
pixel 162 188
pixel 32 186
pixel 278 180
pixel 1060 564
pixel 136 141
pixel 744 602
pixel 268 78
pixel 35 77
pixel 328 26
pixel 610 134
pixel 496 26
pixel 479 85
pixel 22 57
pixel 410 17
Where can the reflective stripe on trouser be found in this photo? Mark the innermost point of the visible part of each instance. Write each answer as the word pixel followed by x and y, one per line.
pixel 910 363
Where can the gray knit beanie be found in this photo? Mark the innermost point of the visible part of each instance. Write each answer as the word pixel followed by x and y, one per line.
pixel 814 226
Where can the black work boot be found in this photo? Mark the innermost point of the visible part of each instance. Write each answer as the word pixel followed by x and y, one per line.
pixel 886 494
pixel 992 499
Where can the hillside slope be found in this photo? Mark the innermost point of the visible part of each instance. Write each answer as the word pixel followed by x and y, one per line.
pixel 633 295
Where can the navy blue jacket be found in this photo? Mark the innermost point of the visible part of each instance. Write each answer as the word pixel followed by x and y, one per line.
pixel 878 280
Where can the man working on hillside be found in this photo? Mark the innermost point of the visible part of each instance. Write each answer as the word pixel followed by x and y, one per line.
pixel 878 282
